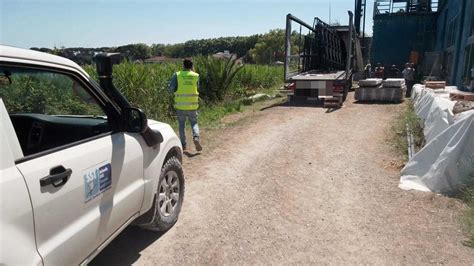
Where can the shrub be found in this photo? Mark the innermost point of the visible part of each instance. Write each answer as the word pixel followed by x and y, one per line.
pixel 216 76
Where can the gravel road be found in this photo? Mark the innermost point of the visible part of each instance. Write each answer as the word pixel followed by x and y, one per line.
pixel 301 185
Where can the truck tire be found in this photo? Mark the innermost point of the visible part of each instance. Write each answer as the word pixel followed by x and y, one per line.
pixel 169 196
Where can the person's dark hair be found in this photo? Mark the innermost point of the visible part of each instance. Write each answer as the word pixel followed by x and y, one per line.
pixel 187 64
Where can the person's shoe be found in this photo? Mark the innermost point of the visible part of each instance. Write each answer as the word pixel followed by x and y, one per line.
pixel 197 144
pixel 184 148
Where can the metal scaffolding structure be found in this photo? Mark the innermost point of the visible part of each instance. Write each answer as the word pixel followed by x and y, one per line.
pixel 322 48
pixel 383 7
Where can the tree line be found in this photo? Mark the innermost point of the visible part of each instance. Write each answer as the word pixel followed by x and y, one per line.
pixel 259 48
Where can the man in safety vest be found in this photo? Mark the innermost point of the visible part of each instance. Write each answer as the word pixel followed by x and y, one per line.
pixel 409 76
pixel 184 84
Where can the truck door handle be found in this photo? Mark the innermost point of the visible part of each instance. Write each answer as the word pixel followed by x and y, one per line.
pixel 58 176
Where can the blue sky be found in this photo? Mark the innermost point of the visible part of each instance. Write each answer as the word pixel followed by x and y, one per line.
pixel 87 23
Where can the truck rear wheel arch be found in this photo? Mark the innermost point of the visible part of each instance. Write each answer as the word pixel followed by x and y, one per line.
pixel 174 152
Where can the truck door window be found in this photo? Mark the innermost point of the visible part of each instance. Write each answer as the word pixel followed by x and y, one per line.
pixel 49 109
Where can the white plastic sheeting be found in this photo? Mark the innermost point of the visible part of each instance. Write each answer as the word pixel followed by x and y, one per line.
pixel 446 162
pixel 370 82
pixel 434 108
pixel 394 83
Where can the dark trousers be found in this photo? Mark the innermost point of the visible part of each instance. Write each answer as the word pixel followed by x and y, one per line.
pixel 409 84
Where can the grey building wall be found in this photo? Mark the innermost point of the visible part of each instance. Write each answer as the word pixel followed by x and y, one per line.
pixel 453 37
pixel 396 35
pixel 466 39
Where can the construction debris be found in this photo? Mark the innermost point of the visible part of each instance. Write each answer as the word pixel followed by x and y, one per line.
pixel 463 106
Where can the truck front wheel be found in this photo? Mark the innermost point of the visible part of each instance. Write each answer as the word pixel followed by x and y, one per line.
pixel 169 196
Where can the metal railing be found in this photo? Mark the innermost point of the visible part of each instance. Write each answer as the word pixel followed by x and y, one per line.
pixel 383 7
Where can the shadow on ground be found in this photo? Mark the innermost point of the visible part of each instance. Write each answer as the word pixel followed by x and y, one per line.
pixel 126 248
pixel 376 103
pixel 191 155
pixel 319 104
pixel 295 104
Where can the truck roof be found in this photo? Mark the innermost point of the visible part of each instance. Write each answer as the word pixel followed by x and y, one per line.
pixel 315 75
pixel 9 52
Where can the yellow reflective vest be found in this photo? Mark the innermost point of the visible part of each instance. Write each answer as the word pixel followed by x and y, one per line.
pixel 186 96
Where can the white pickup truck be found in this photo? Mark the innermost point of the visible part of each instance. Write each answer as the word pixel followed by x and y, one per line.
pixel 78 164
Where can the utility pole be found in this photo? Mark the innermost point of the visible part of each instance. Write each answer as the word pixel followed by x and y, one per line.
pixel 329 12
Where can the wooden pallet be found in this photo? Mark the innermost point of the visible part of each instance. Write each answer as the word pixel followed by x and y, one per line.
pixel 335 102
pixel 435 85
pixel 461 96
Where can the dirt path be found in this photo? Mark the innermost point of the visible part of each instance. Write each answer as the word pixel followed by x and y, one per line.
pixel 299 185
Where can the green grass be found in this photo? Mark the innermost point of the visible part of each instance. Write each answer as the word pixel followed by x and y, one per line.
pixel 467 195
pixel 399 130
pixel 210 116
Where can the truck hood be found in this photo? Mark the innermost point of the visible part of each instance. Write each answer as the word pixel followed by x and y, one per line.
pixel 157 125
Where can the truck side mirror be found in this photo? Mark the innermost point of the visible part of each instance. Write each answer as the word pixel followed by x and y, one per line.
pixel 134 119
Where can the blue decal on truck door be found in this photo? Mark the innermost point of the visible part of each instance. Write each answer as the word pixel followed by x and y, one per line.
pixel 91 184
pixel 105 176
pixel 97 179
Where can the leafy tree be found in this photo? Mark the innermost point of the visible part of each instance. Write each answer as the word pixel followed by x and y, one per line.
pixel 237 45
pixel 139 51
pixel 240 45
pixel 269 48
pixel 157 49
pixel 174 50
